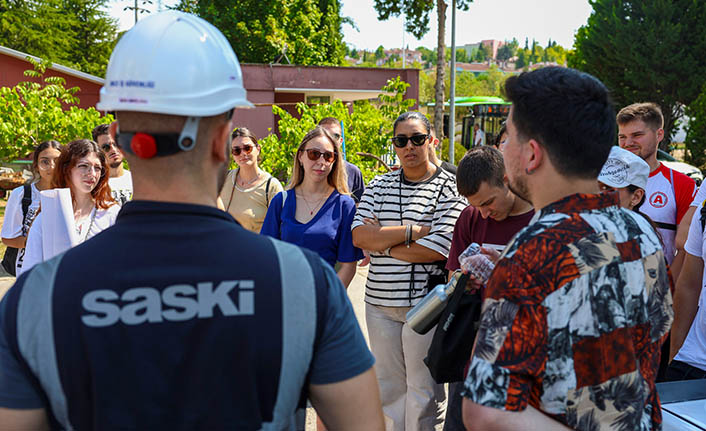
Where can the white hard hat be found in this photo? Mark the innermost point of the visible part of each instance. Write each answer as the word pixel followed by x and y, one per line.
pixel 624 168
pixel 173 63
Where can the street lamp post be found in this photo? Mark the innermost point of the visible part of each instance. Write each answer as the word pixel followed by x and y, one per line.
pixel 452 90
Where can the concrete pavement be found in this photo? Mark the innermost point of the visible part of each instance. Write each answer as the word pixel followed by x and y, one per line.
pixel 6 282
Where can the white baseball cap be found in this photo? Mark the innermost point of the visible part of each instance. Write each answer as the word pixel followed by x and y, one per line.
pixel 624 168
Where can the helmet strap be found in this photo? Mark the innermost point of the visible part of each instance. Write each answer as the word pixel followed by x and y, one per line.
pixel 149 145
pixel 187 138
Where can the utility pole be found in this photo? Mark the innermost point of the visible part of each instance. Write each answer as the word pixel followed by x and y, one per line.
pixel 404 47
pixel 136 8
pixel 452 92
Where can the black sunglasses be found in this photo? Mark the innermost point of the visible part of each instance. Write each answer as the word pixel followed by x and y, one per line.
pixel 106 147
pixel 315 154
pixel 247 149
pixel 417 140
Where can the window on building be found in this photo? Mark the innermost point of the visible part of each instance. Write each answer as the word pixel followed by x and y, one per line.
pixel 315 100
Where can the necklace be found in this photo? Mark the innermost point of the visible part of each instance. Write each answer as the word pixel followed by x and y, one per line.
pixel 79 228
pixel 426 176
pixel 245 184
pixel 311 210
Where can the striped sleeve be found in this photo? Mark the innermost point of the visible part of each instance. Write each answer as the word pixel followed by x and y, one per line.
pixel 366 206
pixel 448 208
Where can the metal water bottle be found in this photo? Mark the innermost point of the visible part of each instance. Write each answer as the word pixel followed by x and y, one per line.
pixel 423 316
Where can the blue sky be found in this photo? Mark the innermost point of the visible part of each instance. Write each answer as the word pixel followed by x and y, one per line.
pixel 486 19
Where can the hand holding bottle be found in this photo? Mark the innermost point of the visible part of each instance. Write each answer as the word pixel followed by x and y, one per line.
pixel 478 262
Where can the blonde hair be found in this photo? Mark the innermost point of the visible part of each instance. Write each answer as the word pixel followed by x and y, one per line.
pixel 337 178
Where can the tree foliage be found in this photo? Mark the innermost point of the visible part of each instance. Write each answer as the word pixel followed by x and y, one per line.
pixel 646 50
pixel 309 31
pixel 481 54
pixel 696 131
pixel 32 112
pixel 367 128
pixel 508 50
pixel 467 84
pixel 74 33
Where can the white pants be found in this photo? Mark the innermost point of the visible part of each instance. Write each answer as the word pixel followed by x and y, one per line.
pixel 411 399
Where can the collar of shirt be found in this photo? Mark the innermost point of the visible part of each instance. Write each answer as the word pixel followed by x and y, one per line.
pixel 580 202
pixel 152 208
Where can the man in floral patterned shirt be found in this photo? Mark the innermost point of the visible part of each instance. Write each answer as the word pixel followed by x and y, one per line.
pixel 579 303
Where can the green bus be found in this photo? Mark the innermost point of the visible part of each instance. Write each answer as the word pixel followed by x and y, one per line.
pixel 489 112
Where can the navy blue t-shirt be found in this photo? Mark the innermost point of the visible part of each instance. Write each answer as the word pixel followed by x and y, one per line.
pixel 176 318
pixel 356 185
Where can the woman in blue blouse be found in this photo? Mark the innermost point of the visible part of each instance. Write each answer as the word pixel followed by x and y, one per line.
pixel 315 211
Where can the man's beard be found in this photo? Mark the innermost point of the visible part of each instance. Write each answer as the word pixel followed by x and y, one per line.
pixel 519 187
pixel 646 155
pixel 115 164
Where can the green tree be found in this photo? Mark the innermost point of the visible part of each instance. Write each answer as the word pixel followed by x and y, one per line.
pixel 380 53
pixel 309 31
pixel 74 33
pixel 368 129
pixel 522 59
pixel 428 55
pixel 426 86
pixel 94 35
pixel 461 56
pixel 507 51
pixel 646 50
pixel 42 109
pixel 481 54
pixel 417 23
pixel 696 131
pixel 485 84
pixel 556 53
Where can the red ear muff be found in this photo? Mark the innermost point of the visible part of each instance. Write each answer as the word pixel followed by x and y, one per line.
pixel 143 145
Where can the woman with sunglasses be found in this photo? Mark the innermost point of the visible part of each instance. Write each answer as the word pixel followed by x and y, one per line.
pixel 16 224
pixel 316 210
pixel 248 190
pixel 406 220
pixel 82 168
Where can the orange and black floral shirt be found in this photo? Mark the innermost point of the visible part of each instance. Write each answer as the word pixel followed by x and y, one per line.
pixel 573 319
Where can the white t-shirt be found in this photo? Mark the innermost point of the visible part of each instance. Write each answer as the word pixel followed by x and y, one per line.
pixel 13 225
pixel 668 195
pixel 693 351
pixel 104 218
pixel 700 196
pixel 121 187
pixel 480 138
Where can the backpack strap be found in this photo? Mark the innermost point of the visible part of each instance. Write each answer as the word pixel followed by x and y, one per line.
pixel 267 191
pixel 26 202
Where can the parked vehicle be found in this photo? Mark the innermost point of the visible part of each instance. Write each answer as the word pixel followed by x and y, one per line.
pixel 683 405
pixel 691 171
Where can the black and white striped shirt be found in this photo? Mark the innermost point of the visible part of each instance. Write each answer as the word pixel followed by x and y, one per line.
pixel 396 201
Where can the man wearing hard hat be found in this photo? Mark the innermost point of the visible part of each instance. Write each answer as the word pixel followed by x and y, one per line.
pixel 177 318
